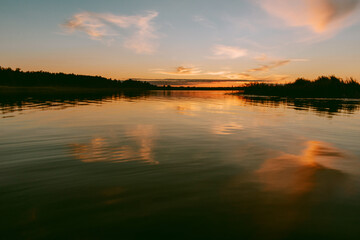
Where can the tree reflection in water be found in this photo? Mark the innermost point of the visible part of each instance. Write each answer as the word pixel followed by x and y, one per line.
pixel 325 107
pixel 16 102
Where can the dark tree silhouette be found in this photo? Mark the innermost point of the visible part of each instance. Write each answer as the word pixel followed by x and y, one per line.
pixel 18 78
pixel 325 87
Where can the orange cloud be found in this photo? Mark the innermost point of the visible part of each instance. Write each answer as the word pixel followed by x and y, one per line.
pixel 253 74
pixel 181 71
pixel 250 77
pixel 99 26
pixel 250 74
pixel 318 15
pixel 246 75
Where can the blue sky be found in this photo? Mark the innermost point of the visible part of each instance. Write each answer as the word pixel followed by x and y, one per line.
pixel 263 39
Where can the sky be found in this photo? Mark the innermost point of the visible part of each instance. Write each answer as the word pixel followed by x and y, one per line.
pixel 275 40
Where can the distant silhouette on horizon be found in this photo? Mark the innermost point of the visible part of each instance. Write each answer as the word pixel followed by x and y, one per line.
pixel 322 87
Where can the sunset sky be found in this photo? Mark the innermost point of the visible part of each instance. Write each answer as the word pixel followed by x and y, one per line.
pixel 276 40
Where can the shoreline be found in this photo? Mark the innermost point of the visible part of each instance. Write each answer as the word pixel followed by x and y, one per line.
pixel 48 89
pixel 274 97
pixel 12 90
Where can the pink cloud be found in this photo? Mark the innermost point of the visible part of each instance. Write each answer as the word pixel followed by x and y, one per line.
pixel 318 15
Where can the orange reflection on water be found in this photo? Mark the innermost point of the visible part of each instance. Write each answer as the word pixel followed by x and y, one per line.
pixel 286 190
pixel 144 135
pixel 226 128
pixel 102 150
pixel 194 94
pixel 298 174
pixel 296 185
pixel 187 109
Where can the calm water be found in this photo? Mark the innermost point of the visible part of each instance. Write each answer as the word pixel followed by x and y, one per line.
pixel 178 165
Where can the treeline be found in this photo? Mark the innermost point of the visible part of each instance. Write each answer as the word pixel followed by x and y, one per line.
pixel 18 78
pixel 325 107
pixel 323 87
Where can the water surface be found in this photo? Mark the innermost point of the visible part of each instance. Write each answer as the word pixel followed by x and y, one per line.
pixel 178 165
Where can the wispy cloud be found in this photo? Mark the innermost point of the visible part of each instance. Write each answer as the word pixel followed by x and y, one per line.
pixel 252 74
pixel 254 77
pixel 318 15
pixel 262 57
pixel 228 52
pixel 105 26
pixel 180 71
pixel 218 73
pixel 256 73
pixel 274 64
pixel 189 71
pixel 245 76
pixel 267 67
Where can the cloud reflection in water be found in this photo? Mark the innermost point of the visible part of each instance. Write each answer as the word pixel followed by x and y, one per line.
pixel 99 149
pixel 292 192
pixel 299 174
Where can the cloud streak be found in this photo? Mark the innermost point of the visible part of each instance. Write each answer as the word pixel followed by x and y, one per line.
pixel 190 71
pixel 318 15
pixel 249 74
pixel 245 75
pixel 253 77
pixel 228 52
pixel 180 71
pixel 99 26
pixel 267 67
pixel 253 74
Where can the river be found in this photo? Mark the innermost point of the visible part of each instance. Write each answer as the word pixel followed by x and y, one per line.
pixel 178 165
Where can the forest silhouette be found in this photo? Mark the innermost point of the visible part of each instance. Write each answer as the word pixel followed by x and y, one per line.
pixel 18 78
pixel 322 87
pixel 41 79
